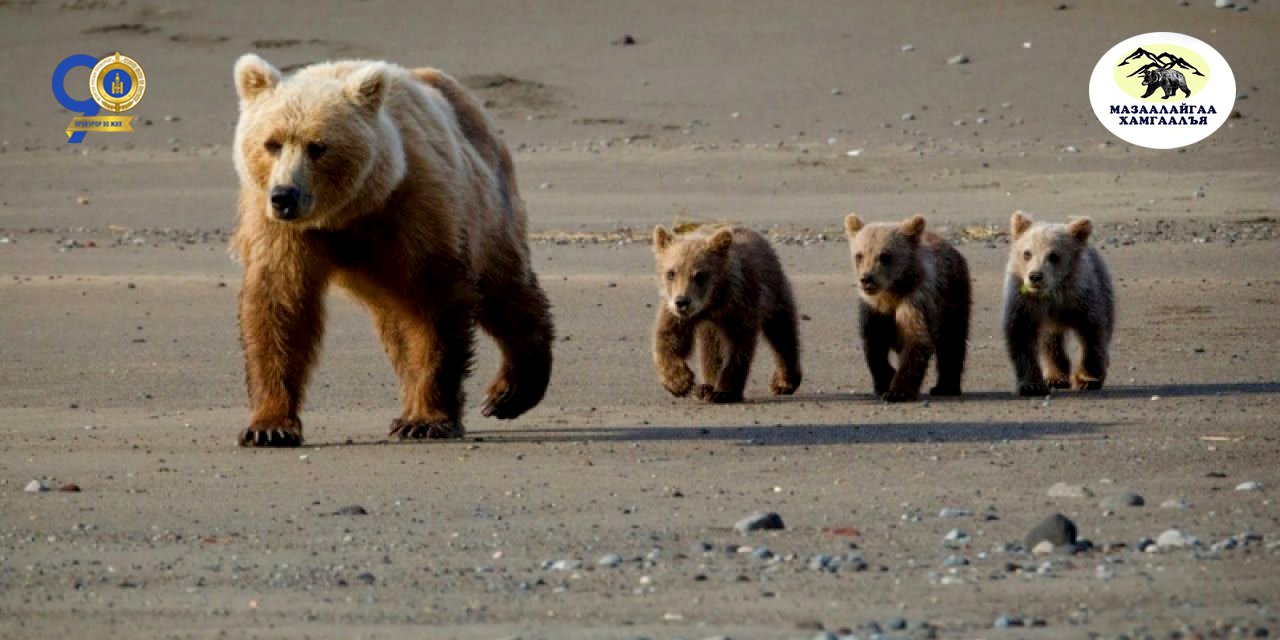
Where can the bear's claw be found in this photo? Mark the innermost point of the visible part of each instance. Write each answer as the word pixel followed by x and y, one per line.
pixel 426 430
pixel 900 396
pixel 1057 383
pixel 1033 389
pixel 506 404
pixel 708 393
pixel 268 436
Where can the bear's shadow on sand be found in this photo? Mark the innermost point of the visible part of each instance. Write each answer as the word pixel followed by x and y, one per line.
pixel 1107 393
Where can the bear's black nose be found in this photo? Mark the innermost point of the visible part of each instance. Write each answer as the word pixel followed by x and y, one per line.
pixel 1035 277
pixel 682 302
pixel 285 201
pixel 866 279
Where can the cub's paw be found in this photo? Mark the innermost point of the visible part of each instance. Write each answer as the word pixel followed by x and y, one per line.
pixel 783 385
pixel 1033 389
pixel 507 401
pixel 1081 382
pixel 708 393
pixel 1057 382
pixel 286 434
pixel 900 396
pixel 679 382
pixel 426 429
pixel 939 391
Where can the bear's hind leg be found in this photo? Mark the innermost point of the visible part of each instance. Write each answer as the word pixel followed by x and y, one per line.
pixel 781 333
pixel 1057 365
pixel 711 351
pixel 518 317
pixel 739 348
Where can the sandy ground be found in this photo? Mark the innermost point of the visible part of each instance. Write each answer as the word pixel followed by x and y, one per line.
pixel 120 372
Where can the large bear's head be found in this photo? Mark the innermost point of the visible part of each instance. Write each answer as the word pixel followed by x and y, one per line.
pixel 691 267
pixel 318 147
pixel 1045 256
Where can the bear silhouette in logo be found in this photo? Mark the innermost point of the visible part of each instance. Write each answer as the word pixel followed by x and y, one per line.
pixel 1171 80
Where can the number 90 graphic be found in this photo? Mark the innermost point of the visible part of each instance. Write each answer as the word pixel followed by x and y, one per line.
pixel 86 107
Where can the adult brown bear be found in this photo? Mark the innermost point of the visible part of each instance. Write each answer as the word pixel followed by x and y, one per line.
pixel 390 183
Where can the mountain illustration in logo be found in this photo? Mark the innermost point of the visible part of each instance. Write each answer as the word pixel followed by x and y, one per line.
pixel 1162 71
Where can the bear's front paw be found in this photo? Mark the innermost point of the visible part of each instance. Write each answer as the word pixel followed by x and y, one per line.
pixel 679 382
pixel 285 434
pixel 1057 382
pixel 426 429
pixel 708 393
pixel 1033 389
pixel 784 385
pixel 939 391
pixel 1082 382
pixel 900 395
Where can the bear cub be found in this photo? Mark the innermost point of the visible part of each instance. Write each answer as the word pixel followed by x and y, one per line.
pixel 915 299
pixel 1056 283
pixel 722 287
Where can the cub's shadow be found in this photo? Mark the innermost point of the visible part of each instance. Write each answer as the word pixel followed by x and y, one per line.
pixel 808 435
pixel 1113 392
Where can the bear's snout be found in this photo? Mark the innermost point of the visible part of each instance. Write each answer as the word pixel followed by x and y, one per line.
pixel 284 202
pixel 682 303
pixel 868 283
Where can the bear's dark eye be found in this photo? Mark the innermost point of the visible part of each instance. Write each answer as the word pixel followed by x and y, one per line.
pixel 1026 255
pixel 886 258
pixel 858 256
pixel 700 277
pixel 272 146
pixel 316 149
pixel 671 275
pixel 1053 258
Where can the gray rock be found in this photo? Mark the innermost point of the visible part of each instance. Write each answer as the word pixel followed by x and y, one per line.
pixel 610 560
pixel 761 553
pixel 351 510
pixel 1175 503
pixel 1223 4
pixel 896 624
pixel 826 635
pixel 908 116
pixel 760 521
pixel 565 565
pixel 366 578
pixel 1004 622
pixel 1122 500
pixel 959 58
pixel 37 486
pixel 955 561
pixel 1176 539
pixel 955 538
pixel 1251 485
pixel 1064 490
pixel 1057 530
pixel 949 512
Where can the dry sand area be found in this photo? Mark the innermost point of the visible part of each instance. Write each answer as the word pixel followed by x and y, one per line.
pixel 608 511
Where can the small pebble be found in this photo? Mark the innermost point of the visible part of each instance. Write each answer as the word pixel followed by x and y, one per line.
pixel 36 486
pixel 609 560
pixel 1064 490
pixel 958 59
pixel 351 510
pixel 955 538
pixel 1176 539
pixel 1057 529
pixel 1251 485
pixel 948 512
pixel 1121 500
pixel 760 521
pixel 1175 503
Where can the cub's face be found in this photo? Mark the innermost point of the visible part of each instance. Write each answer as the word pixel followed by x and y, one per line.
pixel 690 268
pixel 307 145
pixel 882 253
pixel 1043 256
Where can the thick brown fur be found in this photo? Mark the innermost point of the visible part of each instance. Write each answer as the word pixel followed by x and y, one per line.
pixel 408 200
pixel 721 288
pixel 915 298
pixel 1072 292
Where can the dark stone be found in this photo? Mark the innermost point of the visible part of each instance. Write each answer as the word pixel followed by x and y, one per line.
pixel 1057 529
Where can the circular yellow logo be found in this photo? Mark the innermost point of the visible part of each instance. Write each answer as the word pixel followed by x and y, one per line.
pixel 117 83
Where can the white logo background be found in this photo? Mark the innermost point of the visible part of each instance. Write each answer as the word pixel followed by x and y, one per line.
pixel 1219 91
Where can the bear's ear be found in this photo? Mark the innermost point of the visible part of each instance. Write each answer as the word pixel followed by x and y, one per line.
pixel 913 227
pixel 367 86
pixel 721 241
pixel 1019 224
pixel 852 225
pixel 254 76
pixel 1080 228
pixel 661 238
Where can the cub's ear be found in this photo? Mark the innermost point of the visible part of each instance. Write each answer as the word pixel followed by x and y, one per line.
pixel 661 238
pixel 367 86
pixel 913 227
pixel 1080 228
pixel 254 76
pixel 1019 224
pixel 721 241
pixel 852 225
